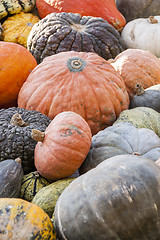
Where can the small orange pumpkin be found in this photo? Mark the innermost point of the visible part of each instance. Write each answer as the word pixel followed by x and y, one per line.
pixel 63 146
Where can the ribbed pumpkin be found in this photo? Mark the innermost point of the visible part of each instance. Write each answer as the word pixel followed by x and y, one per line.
pixel 20 219
pixel 105 9
pixel 63 146
pixel 137 66
pixel 80 82
pixel 16 62
pixel 17 27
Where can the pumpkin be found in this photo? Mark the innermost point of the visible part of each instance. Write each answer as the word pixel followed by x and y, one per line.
pixel 11 175
pixel 119 199
pixel 16 62
pixel 143 33
pixel 59 32
pixel 20 219
pixel 80 82
pixel 132 9
pixel 17 28
pixel 106 10
pixel 9 7
pixel 32 183
pixel 47 197
pixel 121 138
pixel 16 125
pixel 63 146
pixel 141 117
pixel 149 97
pixel 137 66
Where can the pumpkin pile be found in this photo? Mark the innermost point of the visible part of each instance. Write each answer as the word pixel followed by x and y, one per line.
pixel 79 120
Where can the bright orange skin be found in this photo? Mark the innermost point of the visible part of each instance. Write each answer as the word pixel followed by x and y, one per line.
pixel 16 62
pixel 105 9
pixel 65 146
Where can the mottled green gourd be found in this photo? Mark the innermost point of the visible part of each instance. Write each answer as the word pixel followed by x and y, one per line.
pixel 31 184
pixel 47 197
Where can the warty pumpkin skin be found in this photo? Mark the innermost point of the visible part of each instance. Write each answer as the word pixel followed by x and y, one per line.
pixel 20 219
pixel 63 146
pixel 119 199
pixel 137 66
pixel 80 82
pixel 59 32
pixel 16 62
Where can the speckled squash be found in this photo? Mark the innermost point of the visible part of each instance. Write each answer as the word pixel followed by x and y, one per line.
pixel 32 183
pixel 141 117
pixel 81 82
pixel 20 219
pixel 17 28
pixel 16 125
pixel 59 32
pixel 47 197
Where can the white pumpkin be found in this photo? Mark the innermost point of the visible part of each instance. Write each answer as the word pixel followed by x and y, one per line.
pixel 143 33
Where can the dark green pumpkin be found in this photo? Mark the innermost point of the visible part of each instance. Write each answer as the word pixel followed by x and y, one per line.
pixel 32 183
pixel 61 32
pixel 119 199
pixel 11 175
pixel 121 138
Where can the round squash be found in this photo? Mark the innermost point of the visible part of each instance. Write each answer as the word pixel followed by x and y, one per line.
pixel 63 146
pixel 121 138
pixel 17 28
pixel 59 32
pixel 80 82
pixel 137 66
pixel 119 199
pixel 16 62
pixel 20 219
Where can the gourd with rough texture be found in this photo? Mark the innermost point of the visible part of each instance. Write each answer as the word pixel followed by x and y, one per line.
pixel 141 117
pixel 9 7
pixel 137 66
pixel 80 82
pixel 121 138
pixel 132 9
pixel 63 146
pixel 47 197
pixel 59 32
pixel 32 183
pixel 149 97
pixel 143 33
pixel 17 28
pixel 104 9
pixel 16 62
pixel 16 125
pixel 20 219
pixel 119 199
pixel 11 175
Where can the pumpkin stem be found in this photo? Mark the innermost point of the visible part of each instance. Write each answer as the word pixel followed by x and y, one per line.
pixel 152 19
pixel 37 135
pixel 76 64
pixel 36 174
pixel 139 90
pixel 18 160
pixel 17 120
pixel 136 153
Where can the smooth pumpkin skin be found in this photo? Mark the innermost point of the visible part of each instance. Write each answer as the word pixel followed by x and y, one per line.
pixel 105 9
pixel 95 90
pixel 119 199
pixel 20 219
pixel 137 66
pixel 16 62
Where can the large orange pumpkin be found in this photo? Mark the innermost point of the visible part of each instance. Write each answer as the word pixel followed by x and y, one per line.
pixel 81 82
pixel 63 147
pixel 105 9
pixel 16 62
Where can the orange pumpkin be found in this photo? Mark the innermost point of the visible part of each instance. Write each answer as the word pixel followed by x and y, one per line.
pixel 137 67
pixel 81 82
pixel 104 9
pixel 63 146
pixel 16 62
